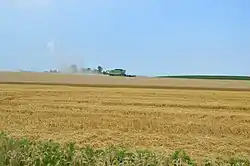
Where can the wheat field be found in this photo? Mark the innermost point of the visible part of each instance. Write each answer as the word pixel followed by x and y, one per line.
pixel 205 123
pixel 121 82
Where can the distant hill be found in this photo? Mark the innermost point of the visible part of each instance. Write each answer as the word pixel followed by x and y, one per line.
pixel 215 77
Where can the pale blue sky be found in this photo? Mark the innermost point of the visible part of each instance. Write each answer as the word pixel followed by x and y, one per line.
pixel 147 37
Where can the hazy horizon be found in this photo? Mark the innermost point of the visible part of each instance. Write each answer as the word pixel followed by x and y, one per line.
pixel 144 37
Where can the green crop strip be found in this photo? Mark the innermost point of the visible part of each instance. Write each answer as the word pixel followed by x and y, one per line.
pixel 23 152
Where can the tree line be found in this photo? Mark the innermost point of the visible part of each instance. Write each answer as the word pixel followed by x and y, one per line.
pixel 74 69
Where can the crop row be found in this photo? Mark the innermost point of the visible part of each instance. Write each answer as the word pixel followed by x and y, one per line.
pixel 21 151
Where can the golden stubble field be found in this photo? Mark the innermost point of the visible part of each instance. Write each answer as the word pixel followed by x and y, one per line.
pixel 138 82
pixel 204 123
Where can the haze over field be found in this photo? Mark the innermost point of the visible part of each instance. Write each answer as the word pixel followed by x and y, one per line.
pixel 145 37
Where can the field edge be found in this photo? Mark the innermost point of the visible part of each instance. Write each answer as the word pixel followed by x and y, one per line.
pixel 21 149
pixel 212 77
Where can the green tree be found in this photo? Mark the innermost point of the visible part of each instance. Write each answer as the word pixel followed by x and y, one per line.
pixel 100 69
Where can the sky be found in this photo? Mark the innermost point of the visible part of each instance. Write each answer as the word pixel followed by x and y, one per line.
pixel 145 37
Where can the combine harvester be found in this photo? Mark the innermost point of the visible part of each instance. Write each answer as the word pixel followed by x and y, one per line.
pixel 118 72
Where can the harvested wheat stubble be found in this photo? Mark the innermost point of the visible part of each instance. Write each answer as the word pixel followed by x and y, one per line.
pixel 203 123
pixel 136 82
